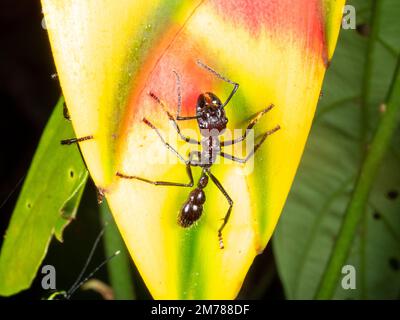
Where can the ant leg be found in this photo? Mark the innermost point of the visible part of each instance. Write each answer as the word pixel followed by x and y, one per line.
pixel 218 75
pixel 163 183
pixel 228 214
pixel 99 191
pixel 66 112
pixel 178 113
pixel 75 140
pixel 147 122
pixel 256 147
pixel 171 118
pixel 252 123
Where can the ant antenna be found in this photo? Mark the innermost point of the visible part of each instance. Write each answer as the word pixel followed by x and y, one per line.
pixel 215 73
pixel 78 283
pixel 220 76
pixel 178 89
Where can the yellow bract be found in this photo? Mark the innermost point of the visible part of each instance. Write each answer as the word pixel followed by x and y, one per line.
pixel 110 54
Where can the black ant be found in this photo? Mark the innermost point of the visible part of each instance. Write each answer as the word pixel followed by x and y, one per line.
pixel 212 121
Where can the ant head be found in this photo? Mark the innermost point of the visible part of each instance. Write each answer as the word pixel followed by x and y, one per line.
pixel 210 113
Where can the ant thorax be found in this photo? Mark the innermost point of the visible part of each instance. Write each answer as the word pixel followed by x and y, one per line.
pixel 211 147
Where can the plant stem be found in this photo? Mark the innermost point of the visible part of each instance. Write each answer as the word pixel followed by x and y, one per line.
pixel 368 68
pixel 357 206
pixel 118 268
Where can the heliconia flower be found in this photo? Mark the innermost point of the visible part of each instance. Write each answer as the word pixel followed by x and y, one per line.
pixel 110 55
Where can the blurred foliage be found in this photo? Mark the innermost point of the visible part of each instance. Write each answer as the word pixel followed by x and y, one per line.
pixel 355 87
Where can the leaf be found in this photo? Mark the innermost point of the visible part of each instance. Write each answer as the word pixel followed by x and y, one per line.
pixel 276 50
pixel 56 173
pixel 323 186
pixel 69 209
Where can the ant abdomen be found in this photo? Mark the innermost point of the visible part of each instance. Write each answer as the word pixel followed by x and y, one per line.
pixel 192 208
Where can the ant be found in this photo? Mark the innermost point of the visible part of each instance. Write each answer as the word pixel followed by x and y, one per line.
pixel 212 120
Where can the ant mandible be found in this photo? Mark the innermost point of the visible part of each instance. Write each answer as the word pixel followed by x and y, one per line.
pixel 212 121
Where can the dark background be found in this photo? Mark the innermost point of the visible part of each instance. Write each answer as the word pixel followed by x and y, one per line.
pixel 28 94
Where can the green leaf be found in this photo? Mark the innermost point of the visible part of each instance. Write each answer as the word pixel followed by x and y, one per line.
pixel 48 200
pixel 69 209
pixel 306 232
